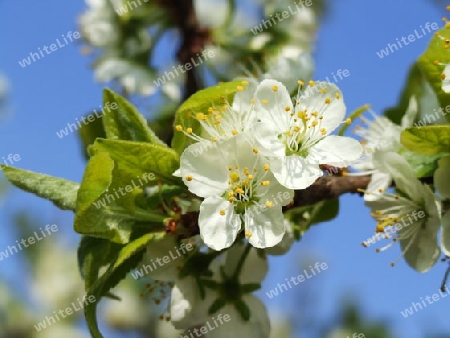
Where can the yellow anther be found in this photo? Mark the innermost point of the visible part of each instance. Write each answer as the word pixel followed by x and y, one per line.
pixel 348 121
pixel 200 116
pixel 240 88
pixel 311 83
pixel 269 204
pixel 244 83
pixel 252 101
pixel 327 100
pixel 210 110
pixel 314 123
pixel 222 212
pixel 447 25
pixel 443 76
pixel 266 167
pixel 275 88
pixel 188 178
pixel 323 91
pixel 300 83
pixel 230 194
pixel 248 234
pixel 250 177
pixel 380 190
pixel 378 212
pixel 265 183
pixel 337 95
pixel 323 131
pixel 255 150
pixel 230 167
pixel 287 108
pixel 234 176
pixel 189 130
pixel 296 129
pixel 301 114
pixel 234 132
pixel 264 101
pixel 379 228
pixel 178 128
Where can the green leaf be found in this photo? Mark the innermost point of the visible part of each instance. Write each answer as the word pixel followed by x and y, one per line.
pixel 306 216
pixel 436 52
pixel 199 103
pixel 93 254
pixel 135 159
pixel 61 192
pixel 428 140
pixel 127 259
pixel 423 165
pixel 103 212
pixel 125 122
pixel 90 132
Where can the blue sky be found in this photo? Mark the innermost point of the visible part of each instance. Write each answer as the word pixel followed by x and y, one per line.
pixel 59 88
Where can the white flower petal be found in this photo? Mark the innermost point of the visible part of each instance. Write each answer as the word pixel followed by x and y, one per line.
pixel 285 245
pixel 313 99
pixel 272 98
pixel 338 151
pixel 158 249
pixel 267 138
pixel 187 309
pixel 378 181
pixel 255 267
pixel 266 228
pixel 258 326
pixel 401 172
pixel 422 247
pixel 296 173
pixel 200 162
pixel 218 231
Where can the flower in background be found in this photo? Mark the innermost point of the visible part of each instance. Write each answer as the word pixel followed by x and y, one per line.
pixel 381 136
pixel 418 237
pixel 228 292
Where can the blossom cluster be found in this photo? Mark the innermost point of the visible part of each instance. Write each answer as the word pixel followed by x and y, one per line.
pixel 270 146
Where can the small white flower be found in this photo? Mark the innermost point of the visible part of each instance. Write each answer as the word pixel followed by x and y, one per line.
pixel 229 293
pixel 225 121
pixel 381 135
pixel 135 78
pixel 297 138
pixel 239 189
pixel 418 235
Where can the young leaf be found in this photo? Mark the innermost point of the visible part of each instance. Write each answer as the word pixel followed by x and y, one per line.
pixel 304 217
pixel 125 122
pixel 137 158
pixel 93 254
pixel 128 258
pixel 432 70
pixel 199 103
pixel 103 212
pixel 61 192
pixel 88 133
pixel 428 140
